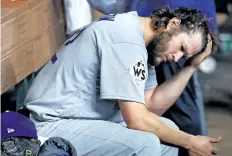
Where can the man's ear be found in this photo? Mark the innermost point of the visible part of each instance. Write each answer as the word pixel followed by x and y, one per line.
pixel 173 23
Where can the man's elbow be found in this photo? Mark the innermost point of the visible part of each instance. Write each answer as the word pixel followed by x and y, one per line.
pixel 134 123
pixel 144 123
pixel 133 126
pixel 156 110
pixel 137 123
pixel 156 106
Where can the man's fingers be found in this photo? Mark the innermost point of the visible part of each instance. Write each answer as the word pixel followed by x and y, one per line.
pixel 208 49
pixel 215 140
pixel 209 45
pixel 214 151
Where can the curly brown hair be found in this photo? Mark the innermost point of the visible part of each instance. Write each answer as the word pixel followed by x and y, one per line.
pixel 192 20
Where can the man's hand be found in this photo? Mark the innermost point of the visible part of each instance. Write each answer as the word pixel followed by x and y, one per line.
pixel 202 146
pixel 196 60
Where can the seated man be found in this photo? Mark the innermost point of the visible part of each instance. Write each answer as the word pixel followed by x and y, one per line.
pixel 96 81
pixel 188 110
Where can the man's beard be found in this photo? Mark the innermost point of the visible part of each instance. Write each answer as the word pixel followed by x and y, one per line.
pixel 159 45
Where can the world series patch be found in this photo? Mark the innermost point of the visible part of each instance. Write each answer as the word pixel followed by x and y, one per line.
pixel 138 72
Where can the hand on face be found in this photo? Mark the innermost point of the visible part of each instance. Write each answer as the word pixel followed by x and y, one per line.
pixel 196 60
pixel 183 44
pixel 178 46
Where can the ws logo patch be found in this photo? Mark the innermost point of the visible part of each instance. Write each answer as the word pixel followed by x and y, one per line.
pixel 138 72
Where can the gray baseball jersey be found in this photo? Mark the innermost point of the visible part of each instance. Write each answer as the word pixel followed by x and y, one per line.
pixel 102 63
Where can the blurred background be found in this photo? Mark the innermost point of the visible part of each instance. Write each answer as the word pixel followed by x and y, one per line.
pixel 216 83
pixel 32 32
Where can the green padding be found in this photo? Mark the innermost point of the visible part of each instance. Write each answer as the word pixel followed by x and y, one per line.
pixel 21 89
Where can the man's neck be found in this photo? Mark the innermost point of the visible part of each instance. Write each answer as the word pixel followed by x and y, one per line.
pixel 148 30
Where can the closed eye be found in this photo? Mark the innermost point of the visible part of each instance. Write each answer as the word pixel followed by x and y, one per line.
pixel 182 47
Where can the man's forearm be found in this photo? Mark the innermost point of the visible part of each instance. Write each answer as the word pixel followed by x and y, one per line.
pixel 153 123
pixel 138 117
pixel 167 93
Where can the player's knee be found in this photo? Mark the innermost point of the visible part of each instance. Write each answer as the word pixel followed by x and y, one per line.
pixel 151 144
pixel 153 140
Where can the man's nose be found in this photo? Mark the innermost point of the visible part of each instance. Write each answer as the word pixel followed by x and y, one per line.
pixel 177 56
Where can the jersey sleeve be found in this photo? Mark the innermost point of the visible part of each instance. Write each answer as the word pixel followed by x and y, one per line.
pixel 123 72
pixel 151 80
